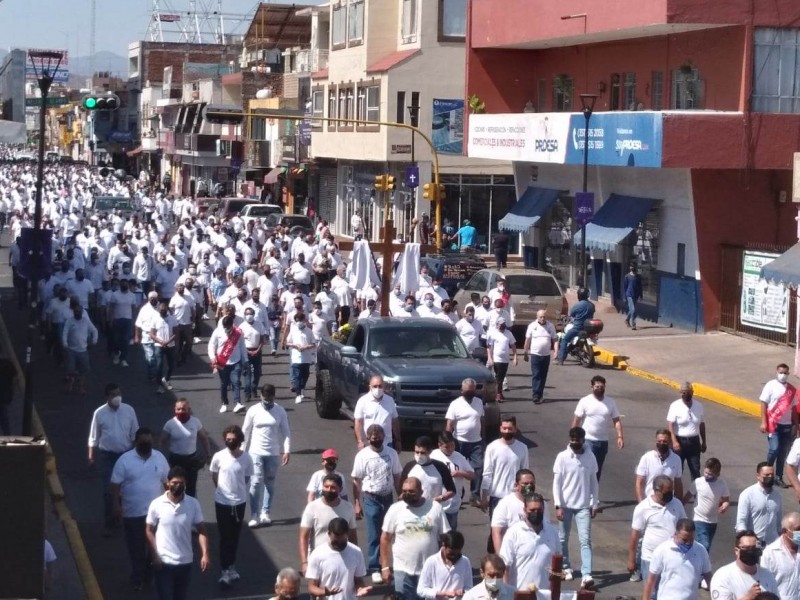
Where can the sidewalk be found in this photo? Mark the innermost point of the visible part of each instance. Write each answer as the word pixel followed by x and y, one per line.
pixel 724 368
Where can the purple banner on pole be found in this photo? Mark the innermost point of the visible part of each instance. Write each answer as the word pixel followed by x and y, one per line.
pixel 584 208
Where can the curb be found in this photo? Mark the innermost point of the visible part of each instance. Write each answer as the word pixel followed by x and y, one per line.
pixel 701 390
pixel 85 570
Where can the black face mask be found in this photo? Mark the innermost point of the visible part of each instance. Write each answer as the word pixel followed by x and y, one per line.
pixel 507 435
pixel 377 444
pixel 330 465
pixel 144 447
pixel 768 481
pixel 662 449
pixel 232 444
pixel 667 497
pixel 749 556
pixel 411 499
pixel 154 302
pixel 576 447
pixel 330 496
pixel 535 518
pixel 338 546
pixel 468 395
pixel 177 489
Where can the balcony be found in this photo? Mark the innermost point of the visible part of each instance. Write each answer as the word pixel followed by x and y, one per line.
pixel 309 61
pixel 291 151
pixel 259 153
pixel 166 141
pixel 195 143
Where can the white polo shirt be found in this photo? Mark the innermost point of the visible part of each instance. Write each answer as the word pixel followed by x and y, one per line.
pixel 499 343
pixel 439 577
pixel 510 510
pixel 731 583
pixel 113 430
pixel 793 458
pixel 686 419
pixel 376 412
pixel 174 523
pixel 651 466
pixel 334 569
pixel 140 480
pixel 656 522
pixel 527 554
pixel 575 479
pixel 679 572
pixel 500 465
pixel 466 417
pixel 785 567
pixel 597 416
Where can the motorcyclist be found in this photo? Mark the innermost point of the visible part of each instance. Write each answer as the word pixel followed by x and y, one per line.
pixel 582 311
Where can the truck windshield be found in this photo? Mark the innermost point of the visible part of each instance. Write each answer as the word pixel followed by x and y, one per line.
pixel 416 343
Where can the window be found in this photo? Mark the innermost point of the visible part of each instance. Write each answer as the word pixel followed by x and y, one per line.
pixel 616 92
pixel 562 93
pixel 401 107
pixel 259 128
pixel 350 109
pixel 355 22
pixel 317 106
pixel 452 20
pixel 541 96
pixel 657 90
pixel 409 23
pixel 687 89
pixel 630 91
pixel 414 121
pixel 332 107
pixel 776 70
pixel 342 106
pixel 373 103
pixel 339 25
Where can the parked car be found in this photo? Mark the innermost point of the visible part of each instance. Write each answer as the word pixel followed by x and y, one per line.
pixel 206 205
pixel 531 290
pixel 422 362
pixel 297 224
pixel 251 212
pixel 233 206
pixel 453 269
pixel 108 204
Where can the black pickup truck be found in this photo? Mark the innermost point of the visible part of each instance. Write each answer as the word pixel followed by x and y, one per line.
pixel 422 362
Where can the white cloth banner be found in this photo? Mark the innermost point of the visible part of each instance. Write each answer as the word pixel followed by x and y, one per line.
pixel 407 274
pixel 363 273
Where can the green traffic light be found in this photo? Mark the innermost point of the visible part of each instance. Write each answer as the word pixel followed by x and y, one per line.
pixel 90 103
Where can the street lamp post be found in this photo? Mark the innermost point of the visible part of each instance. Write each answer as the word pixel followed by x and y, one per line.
pixel 413 112
pixel 45 64
pixel 587 105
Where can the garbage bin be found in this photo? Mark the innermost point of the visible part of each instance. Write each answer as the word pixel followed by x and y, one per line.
pixel 530 256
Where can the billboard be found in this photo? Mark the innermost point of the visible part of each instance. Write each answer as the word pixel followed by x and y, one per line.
pixel 447 126
pixel 34 64
pixel 617 139
pixel 764 305
pixel 529 137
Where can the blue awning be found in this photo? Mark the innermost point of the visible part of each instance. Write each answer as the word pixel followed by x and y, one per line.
pixel 530 207
pixel 785 269
pixel 615 220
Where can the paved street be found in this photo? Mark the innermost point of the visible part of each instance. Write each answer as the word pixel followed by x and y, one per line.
pixel 733 438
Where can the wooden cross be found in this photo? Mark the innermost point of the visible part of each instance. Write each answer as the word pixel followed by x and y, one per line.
pixel 387 249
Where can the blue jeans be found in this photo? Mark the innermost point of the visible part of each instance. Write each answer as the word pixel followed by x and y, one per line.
pixel 105 461
pixel 123 329
pixel 473 452
pixel 252 374
pixel 779 444
pixel 230 375
pixel 374 508
pixel 172 581
pixel 563 346
pixel 274 336
pixel 631 317
pixel 150 360
pixel 262 483
pixel 165 359
pixel 138 548
pixel 583 523
pixel 540 365
pixel 406 585
pixel 599 449
pixel 704 534
pixel 452 520
pixel 298 376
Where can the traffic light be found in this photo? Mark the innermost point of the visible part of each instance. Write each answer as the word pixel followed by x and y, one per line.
pixel 94 102
pixel 226 115
pixel 389 186
pixel 380 183
pixel 429 192
pixel 442 195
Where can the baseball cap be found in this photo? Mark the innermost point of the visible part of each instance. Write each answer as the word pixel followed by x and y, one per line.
pixel 501 321
pixel 329 453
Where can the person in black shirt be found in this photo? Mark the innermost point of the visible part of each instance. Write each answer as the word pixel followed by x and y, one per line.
pixel 500 245
pixel 580 313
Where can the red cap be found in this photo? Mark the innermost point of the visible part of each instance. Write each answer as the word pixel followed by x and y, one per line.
pixel 329 453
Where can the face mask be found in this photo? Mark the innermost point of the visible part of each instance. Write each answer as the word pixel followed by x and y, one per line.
pixel 268 404
pixel 662 449
pixel 506 435
pixel 535 518
pixel 492 585
pixel 250 318
pixel 177 489
pixel 528 490
pixel 183 417
pixel 339 546
pixel 154 302
pixel 317 311
pixel 422 459
pixel 408 308
pixel 429 303
pixel 684 547
pixel 576 447
pixel 330 496
pixel 768 481
pixel 502 327
pixel 485 305
pixel 232 444
pixel 115 401
pixel 163 313
pixel 376 393
pixel 301 325
pixel 749 556
pixel 667 497
pixel 709 478
pixel 398 293
pixel 782 377
pixel 377 444
pixel 468 395
pixel 144 447
pixel 123 288
pixel 80 277
pixel 409 498
pixel 78 316
pixel 796 538
pixel 330 465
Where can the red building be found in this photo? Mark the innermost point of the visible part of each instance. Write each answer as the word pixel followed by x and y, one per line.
pixel 718 87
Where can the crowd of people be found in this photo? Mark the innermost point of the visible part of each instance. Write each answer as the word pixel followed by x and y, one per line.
pixel 153 282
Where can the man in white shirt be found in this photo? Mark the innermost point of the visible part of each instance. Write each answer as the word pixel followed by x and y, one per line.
pixel 318 514
pixel 492 585
pixel 504 457
pixel 465 419
pixel 595 413
pixel 686 423
pixel 781 558
pixel 528 547
pixel 540 347
pixel 428 310
pixel 142 333
pixel 336 568
pixel 122 304
pixel 435 478
pixel 78 334
pixel 760 506
pixel 793 467
pixel 743 578
pixel 448 573
pixel 227 353
pixel 501 350
pixel 302 354
pixel 460 470
pixel 182 307
pixel 469 329
pixel 511 508
pixel 376 407
pixel 254 336
pixel 111 434
pixel 576 496
pixel 661 461
pixel 81 288
pixel 143 268
pixel 268 439
pixel 779 419
pixel 678 565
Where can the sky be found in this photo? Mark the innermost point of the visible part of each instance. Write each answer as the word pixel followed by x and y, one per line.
pixel 60 24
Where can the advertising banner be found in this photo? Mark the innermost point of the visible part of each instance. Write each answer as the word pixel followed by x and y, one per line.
pixel 447 126
pixel 617 139
pixel 33 66
pixel 764 305
pixel 584 208
pixel 526 137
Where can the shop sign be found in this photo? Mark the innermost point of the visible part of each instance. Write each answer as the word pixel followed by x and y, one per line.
pixel 524 137
pixel 764 305
pixel 447 126
pixel 617 139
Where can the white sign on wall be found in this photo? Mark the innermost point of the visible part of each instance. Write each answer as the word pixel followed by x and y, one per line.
pixel 527 137
pixel 764 305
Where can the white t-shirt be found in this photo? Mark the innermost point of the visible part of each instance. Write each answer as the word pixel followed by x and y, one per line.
pixel 455 462
pixel 686 419
pixel 232 473
pixel 680 573
pixel 510 510
pixel 252 333
pixel 376 470
pixel 597 416
pixel 500 342
pixel 707 496
pixel 542 338
pixel 500 465
pixel 657 522
pixel 183 436
pixel 466 417
pixel 315 483
pixel 527 554
pixel 731 583
pixel 651 466
pixel 317 515
pixel 174 523
pixel 376 412
pixel 416 531
pixel 333 569
pixel 302 337
pixel 772 392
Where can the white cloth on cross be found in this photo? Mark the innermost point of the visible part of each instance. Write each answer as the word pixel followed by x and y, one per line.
pixel 407 274
pixel 363 273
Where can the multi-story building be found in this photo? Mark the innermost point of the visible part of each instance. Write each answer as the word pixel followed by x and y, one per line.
pixel 689 145
pixel 397 61
pixel 12 86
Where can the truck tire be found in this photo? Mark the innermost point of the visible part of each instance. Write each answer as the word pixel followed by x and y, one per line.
pixel 326 399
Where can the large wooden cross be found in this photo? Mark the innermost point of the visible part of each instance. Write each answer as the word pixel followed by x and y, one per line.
pixel 387 248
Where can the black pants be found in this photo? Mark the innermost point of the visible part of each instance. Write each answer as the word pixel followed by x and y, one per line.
pixel 501 258
pixel 690 454
pixel 191 464
pixel 229 522
pixel 500 371
pixel 183 342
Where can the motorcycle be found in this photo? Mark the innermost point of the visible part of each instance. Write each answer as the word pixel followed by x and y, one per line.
pixel 582 345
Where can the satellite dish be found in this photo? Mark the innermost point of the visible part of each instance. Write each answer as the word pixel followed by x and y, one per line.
pixel 264 93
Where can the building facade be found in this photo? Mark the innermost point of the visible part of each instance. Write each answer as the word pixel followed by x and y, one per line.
pixel 12 86
pixel 696 117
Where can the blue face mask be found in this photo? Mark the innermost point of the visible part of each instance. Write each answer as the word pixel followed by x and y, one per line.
pixel 709 479
pixel 796 538
pixel 684 548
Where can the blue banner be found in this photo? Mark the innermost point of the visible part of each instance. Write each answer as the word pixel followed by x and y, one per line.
pixel 448 126
pixel 617 139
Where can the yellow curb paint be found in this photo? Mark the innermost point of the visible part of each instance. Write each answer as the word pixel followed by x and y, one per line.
pixel 701 390
pixel 88 578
